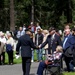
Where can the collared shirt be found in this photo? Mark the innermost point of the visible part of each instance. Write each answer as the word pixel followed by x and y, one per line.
pixel 65 41
pixel 53 36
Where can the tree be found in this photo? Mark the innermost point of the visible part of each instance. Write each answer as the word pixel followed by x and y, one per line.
pixel 12 22
pixel 32 11
pixel 47 12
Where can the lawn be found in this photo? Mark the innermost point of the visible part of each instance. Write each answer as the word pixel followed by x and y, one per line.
pixel 16 61
pixel 68 73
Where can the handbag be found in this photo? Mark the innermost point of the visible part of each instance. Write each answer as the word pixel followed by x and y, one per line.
pixel 68 52
pixel 8 47
pixel 48 62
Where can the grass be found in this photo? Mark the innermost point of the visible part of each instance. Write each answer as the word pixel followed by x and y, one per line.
pixel 69 73
pixel 16 61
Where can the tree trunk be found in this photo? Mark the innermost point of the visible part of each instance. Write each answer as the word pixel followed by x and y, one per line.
pixel 32 12
pixel 12 22
pixel 69 12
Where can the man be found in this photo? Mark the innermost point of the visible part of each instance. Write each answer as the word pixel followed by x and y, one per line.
pixel 68 44
pixel 73 49
pixel 26 43
pixel 20 32
pixel 53 40
pixel 37 27
pixel 38 41
pixel 15 33
pixel 32 27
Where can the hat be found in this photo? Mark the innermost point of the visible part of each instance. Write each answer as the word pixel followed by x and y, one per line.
pixel 51 29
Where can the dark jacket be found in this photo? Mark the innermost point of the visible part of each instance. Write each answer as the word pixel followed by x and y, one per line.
pixel 40 38
pixel 68 47
pixel 56 42
pixel 26 44
pixel 69 43
pixel 73 50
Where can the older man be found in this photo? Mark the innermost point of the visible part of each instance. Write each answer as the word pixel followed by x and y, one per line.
pixel 53 40
pixel 67 45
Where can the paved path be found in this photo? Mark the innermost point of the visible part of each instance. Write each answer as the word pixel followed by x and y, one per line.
pixel 16 69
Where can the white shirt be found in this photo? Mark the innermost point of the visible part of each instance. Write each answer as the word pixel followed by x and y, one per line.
pixel 3 39
pixel 10 41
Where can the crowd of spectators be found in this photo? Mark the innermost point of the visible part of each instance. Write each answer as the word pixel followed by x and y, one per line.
pixel 46 40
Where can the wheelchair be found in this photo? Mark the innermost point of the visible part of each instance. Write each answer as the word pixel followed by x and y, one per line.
pixel 54 68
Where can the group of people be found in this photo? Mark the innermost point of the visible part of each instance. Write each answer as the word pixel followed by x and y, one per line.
pixel 39 39
pixel 26 44
pixel 66 48
pixel 9 39
pixel 54 40
pixel 6 45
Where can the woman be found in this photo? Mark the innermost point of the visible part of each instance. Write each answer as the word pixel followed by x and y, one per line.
pixel 51 58
pixel 9 48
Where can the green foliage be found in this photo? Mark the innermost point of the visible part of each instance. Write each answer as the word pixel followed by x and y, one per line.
pixel 69 73
pixel 47 12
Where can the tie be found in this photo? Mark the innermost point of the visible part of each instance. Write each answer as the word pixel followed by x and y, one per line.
pixel 52 38
pixel 65 39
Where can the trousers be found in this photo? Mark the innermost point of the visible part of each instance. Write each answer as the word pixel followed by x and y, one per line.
pixel 41 68
pixel 26 63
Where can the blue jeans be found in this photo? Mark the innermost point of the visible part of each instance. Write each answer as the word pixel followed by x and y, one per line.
pixel 32 54
pixel 41 68
pixel 39 54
